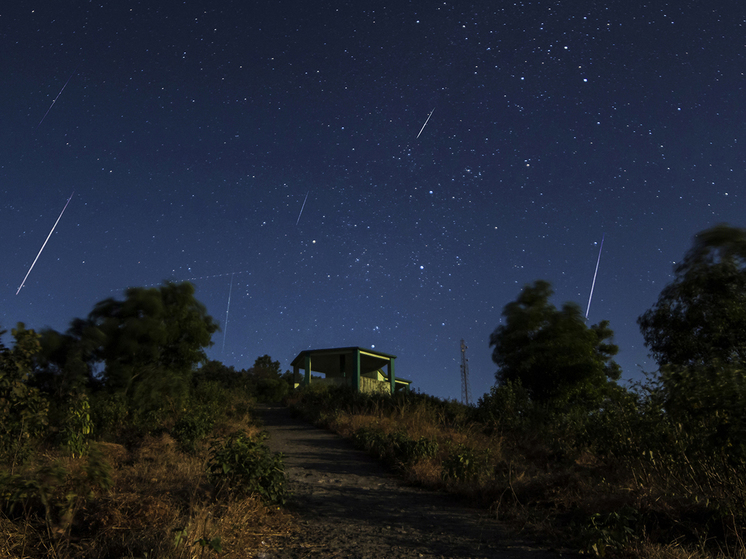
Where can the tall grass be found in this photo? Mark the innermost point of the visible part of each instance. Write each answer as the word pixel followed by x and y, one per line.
pixel 157 502
pixel 623 479
pixel 147 491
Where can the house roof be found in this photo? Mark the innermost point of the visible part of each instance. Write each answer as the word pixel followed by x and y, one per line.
pixel 327 360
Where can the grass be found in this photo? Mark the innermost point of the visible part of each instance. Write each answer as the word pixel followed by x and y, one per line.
pixel 157 503
pixel 645 505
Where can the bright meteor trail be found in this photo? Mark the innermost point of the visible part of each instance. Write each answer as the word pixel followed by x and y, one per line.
pixel 45 243
pixel 228 308
pixel 594 275
pixel 428 120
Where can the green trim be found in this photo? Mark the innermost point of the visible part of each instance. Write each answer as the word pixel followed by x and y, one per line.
pixel 356 377
pixel 307 380
pixel 392 378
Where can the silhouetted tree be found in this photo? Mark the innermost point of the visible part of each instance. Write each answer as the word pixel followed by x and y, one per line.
pixel 66 363
pixel 701 315
pixel 552 352
pixel 151 341
pixel 264 367
pixel 23 410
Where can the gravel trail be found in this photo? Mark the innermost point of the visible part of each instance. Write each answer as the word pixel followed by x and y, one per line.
pixel 350 506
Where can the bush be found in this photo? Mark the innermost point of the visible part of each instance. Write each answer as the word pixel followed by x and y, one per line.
pixel 271 389
pixel 54 493
pixel 23 409
pixel 192 428
pixel 77 425
pixel 612 531
pixel 109 414
pixel 396 448
pixel 506 408
pixel 243 466
pixel 321 403
pixel 709 402
pixel 466 464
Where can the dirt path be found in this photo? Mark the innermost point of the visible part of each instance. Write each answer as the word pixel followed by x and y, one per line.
pixel 351 507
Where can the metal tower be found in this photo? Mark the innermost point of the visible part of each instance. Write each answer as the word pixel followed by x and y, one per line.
pixel 465 392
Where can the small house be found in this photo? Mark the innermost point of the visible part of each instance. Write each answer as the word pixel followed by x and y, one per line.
pixel 363 369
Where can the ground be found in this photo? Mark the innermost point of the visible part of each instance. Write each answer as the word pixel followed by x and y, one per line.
pixel 350 506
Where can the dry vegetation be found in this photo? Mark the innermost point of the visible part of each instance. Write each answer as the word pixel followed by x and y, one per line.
pixel 156 501
pixel 168 465
pixel 651 505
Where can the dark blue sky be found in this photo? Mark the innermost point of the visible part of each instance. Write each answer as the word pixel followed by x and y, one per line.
pixel 191 133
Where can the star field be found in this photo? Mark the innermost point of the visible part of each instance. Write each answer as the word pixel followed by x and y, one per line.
pixel 191 133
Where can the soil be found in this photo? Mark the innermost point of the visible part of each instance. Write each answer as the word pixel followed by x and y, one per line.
pixel 350 506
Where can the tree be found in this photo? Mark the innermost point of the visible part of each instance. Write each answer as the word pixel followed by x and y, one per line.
pixel 268 384
pixel 551 352
pixel 708 402
pixel 23 410
pixel 66 364
pixel 701 316
pixel 152 340
pixel 264 367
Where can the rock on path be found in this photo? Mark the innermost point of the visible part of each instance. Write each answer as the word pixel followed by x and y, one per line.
pixel 350 506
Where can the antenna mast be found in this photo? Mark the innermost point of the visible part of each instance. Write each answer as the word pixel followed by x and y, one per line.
pixel 465 392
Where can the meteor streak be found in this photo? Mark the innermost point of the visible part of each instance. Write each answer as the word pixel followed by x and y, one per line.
pixel 297 221
pixel 45 243
pixel 228 308
pixel 594 275
pixel 428 120
pixel 55 99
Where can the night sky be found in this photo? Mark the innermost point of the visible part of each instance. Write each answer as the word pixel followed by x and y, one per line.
pixel 193 132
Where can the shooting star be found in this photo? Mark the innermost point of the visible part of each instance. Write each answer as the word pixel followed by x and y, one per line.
pixel 594 275
pixel 228 308
pixel 297 221
pixel 428 120
pixel 45 243
pixel 58 96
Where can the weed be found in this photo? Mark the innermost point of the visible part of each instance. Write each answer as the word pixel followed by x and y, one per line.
pixel 241 465
pixel 612 531
pixel 396 448
pixel 192 428
pixel 78 425
pixel 181 539
pixel 466 464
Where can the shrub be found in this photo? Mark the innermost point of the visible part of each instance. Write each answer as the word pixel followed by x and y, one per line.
pixel 110 415
pixel 192 428
pixel 23 410
pixel 709 402
pixel 77 425
pixel 271 389
pixel 466 464
pixel 506 408
pixel 241 465
pixel 613 531
pixel 53 493
pixel 396 448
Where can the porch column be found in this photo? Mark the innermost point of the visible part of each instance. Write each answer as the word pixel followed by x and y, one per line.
pixel 295 375
pixel 392 380
pixel 356 372
pixel 307 380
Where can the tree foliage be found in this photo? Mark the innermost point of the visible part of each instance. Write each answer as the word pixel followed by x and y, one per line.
pixel 709 402
pixel 23 410
pixel 157 335
pixel 66 364
pixel 701 315
pixel 550 351
pixel 264 367
pixel 156 329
